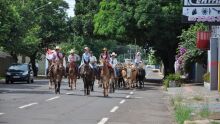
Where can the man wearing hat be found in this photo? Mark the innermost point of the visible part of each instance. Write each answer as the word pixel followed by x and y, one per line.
pixel 137 58
pixel 93 62
pixel 113 62
pixel 85 57
pixel 57 57
pixel 72 58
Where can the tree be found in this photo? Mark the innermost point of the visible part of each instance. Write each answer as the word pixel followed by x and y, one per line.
pixel 155 22
pixel 33 27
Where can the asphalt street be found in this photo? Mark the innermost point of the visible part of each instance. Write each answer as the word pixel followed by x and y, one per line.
pixel 22 103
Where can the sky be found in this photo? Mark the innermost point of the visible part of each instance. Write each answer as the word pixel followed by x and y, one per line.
pixel 70 11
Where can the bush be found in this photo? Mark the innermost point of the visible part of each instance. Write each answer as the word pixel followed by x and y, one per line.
pixel 206 77
pixel 172 77
pixel 182 113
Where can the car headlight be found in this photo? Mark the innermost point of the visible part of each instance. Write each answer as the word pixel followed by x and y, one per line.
pixel 25 73
pixel 8 73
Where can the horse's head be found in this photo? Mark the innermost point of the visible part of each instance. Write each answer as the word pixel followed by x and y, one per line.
pixel 87 70
pixel 72 65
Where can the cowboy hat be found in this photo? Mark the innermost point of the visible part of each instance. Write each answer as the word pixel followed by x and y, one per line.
pixel 104 49
pixel 86 48
pixel 57 48
pixel 113 54
pixel 72 50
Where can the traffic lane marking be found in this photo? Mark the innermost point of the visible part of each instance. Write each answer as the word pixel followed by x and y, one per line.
pixel 114 109
pixel 103 121
pixel 56 97
pixel 24 106
pixel 122 101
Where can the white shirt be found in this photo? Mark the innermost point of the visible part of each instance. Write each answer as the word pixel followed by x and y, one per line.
pixel 113 61
pixel 93 59
pixel 137 59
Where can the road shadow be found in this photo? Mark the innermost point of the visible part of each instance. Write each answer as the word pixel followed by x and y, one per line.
pixel 25 92
pixel 19 85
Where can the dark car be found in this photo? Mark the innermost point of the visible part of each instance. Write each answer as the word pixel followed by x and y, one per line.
pixel 19 72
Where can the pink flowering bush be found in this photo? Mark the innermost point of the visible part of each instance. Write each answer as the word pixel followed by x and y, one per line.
pixel 179 64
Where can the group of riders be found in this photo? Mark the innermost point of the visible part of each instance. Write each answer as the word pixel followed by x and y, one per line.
pixel 87 57
pixel 106 71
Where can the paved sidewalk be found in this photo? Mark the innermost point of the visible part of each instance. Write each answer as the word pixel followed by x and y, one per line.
pixel 209 98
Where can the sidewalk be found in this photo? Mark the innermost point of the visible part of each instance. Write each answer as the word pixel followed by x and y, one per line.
pixel 198 98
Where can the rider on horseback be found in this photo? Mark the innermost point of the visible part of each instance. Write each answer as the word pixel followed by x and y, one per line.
pixel 85 57
pixel 137 59
pixel 113 62
pixel 72 58
pixel 105 57
pixel 57 57
pixel 93 62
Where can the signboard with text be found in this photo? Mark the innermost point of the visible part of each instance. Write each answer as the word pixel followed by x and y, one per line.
pixel 207 11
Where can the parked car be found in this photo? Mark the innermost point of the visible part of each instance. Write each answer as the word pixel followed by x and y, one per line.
pixel 19 72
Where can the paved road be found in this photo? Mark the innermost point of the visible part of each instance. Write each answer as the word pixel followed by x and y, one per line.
pixel 36 104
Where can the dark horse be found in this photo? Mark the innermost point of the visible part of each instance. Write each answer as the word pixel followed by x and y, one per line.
pixel 86 73
pixel 141 76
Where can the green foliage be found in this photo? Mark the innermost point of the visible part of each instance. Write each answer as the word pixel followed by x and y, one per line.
pixel 204 113
pixel 182 113
pixel 188 41
pixel 206 77
pixel 172 77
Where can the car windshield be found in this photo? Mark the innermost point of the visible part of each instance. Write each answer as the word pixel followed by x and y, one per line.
pixel 19 67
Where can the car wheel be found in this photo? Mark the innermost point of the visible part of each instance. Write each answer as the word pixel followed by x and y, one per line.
pixel 28 80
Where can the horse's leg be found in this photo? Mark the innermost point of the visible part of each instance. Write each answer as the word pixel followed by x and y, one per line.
pixel 59 84
pixel 84 87
pixel 104 88
pixel 75 82
pixel 69 80
pixel 55 83
pixel 71 83
pixel 107 88
pixel 88 87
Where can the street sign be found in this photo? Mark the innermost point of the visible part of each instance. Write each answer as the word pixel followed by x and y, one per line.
pixel 201 3
pixel 201 14
pixel 207 11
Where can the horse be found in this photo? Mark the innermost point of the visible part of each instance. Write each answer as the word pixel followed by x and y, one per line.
pixel 133 78
pixel 72 76
pixel 57 75
pixel 119 79
pixel 105 78
pixel 86 73
pixel 141 76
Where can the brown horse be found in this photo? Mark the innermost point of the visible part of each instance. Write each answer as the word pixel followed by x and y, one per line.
pixel 105 78
pixel 72 76
pixel 86 73
pixel 57 75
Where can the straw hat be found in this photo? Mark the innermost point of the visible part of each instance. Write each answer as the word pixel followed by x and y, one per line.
pixel 72 50
pixel 104 49
pixel 86 48
pixel 113 54
pixel 57 48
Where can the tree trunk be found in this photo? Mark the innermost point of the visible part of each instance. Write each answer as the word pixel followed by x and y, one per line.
pixel 33 63
pixel 168 64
